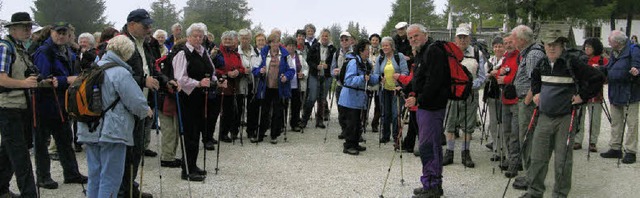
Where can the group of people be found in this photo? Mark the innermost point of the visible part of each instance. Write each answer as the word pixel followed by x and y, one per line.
pixel 183 84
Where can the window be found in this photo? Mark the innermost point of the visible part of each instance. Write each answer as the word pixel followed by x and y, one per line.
pixel 592 32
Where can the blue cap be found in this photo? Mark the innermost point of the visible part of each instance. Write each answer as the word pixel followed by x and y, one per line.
pixel 141 16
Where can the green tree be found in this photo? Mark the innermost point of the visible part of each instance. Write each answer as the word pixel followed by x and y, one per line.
pixel 354 29
pixel 218 15
pixel 85 16
pixel 422 11
pixel 335 30
pixel 164 14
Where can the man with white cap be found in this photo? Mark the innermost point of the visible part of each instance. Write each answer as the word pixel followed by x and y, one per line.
pixel 402 42
pixel 339 58
pixel 463 112
pixel 559 84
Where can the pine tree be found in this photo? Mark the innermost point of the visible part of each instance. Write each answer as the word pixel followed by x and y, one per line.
pixel 85 16
pixel 218 15
pixel 423 12
pixel 164 14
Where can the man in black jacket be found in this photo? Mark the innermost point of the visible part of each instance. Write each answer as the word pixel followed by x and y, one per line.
pixel 559 84
pixel 319 58
pixel 402 42
pixel 430 88
pixel 138 28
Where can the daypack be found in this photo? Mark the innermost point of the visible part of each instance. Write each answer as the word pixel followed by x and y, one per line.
pixel 83 100
pixel 343 71
pixel 461 78
pixel 396 56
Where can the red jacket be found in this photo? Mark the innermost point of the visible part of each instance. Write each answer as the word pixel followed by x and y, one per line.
pixel 510 61
pixel 594 62
pixel 228 60
pixel 404 80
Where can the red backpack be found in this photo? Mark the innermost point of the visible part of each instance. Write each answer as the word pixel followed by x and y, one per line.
pixel 461 78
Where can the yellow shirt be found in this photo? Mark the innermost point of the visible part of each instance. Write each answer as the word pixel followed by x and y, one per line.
pixel 390 83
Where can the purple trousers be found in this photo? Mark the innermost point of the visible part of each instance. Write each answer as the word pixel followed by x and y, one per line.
pixel 429 135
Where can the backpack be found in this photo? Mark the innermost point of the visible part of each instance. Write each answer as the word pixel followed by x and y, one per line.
pixel 363 66
pixel 461 78
pixel 12 53
pixel 396 56
pixel 83 100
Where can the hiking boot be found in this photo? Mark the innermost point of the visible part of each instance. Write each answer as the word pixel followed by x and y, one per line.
pixel 341 136
pixel 611 153
pixel 198 171
pixel 629 158
pixel 577 146
pixel 296 128
pixel 416 153
pixel 320 125
pixel 448 157
pixel 351 151
pixel 520 183
pixel 593 148
pixel 171 164
pixel 193 177
pixel 421 190
pixel 80 179
pixel 361 148
pixel 511 172
pixel 9 195
pixel 48 184
pixel 466 159
pixel 226 139
pixel 210 146
pixel 274 141
pixel 426 193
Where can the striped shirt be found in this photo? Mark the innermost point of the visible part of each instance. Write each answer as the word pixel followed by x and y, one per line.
pixel 180 69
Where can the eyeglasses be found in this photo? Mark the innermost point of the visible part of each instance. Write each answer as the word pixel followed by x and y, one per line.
pixel 344 40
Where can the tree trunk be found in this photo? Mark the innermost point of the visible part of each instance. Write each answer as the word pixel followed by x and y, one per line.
pixel 629 20
pixel 612 21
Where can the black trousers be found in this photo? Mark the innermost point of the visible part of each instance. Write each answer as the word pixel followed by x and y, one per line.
pixel 296 104
pixel 412 132
pixel 213 111
pixel 253 114
pixel 133 157
pixel 61 132
pixel 193 124
pixel 272 114
pixel 229 118
pixel 353 126
pixel 14 155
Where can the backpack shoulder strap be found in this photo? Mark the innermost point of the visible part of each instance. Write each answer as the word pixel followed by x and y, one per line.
pixel 397 57
pixel 10 50
pixel 476 53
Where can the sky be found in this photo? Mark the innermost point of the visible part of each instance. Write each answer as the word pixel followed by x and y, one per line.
pixel 372 14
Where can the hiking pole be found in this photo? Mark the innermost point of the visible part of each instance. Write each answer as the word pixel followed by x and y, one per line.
pixel 304 102
pixel 624 124
pixel 222 79
pixel 326 131
pixel 284 121
pixel 570 132
pixel 607 113
pixel 524 143
pixel 206 124
pixel 388 172
pixel 155 117
pixel 483 115
pixel 184 152
pixel 382 117
pixel 55 95
pixel 590 129
pixel 32 92
pixel 399 138
pixel 362 114
pixel 242 116
pixel 234 104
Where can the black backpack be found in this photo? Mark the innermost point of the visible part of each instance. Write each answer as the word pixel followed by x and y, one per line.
pixel 363 66
pixel 396 56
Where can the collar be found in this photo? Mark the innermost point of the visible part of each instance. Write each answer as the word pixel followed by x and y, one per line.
pixel 192 48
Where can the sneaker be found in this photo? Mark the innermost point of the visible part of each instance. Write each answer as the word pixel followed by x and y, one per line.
pixel 170 164
pixel 448 157
pixel 210 146
pixel 193 177
pixel 520 183
pixel 577 146
pixel 593 148
pixel 80 179
pixel 48 184
pixel 351 151
pixel 150 153
pixel 611 153
pixel 466 159
pixel 629 158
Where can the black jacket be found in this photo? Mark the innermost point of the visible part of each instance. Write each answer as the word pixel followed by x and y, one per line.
pixel 432 80
pixel 313 59
pixel 557 85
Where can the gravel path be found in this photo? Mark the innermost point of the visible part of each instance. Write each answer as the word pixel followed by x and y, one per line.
pixel 306 167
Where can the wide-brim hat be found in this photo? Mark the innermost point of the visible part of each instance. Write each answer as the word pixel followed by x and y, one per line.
pixel 552 36
pixel 20 18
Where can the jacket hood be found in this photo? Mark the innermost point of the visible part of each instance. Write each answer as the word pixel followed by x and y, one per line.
pixel 111 57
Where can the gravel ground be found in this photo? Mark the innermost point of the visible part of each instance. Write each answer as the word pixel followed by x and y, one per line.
pixel 304 166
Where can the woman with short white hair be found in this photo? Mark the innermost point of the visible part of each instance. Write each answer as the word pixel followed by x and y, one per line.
pixel 87 53
pixel 161 36
pixel 106 146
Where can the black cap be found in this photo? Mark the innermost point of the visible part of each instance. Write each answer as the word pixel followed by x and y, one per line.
pixel 140 16
pixel 61 26
pixel 19 18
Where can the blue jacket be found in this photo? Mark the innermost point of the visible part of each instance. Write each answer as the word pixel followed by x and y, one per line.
pixel 118 123
pixel 53 62
pixel 400 68
pixel 284 89
pixel 352 94
pixel 619 78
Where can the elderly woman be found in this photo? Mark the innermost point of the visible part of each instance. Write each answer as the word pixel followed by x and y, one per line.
pixel 595 50
pixel 161 36
pixel 191 66
pixel 391 66
pixel 299 81
pixel 106 147
pixel 374 54
pixel 105 36
pixel 229 66
pixel 88 50
pixel 274 86
pixel 250 57
pixel 261 41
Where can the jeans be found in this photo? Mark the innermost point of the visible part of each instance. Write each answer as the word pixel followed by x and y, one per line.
pixel 105 162
pixel 315 93
pixel 390 112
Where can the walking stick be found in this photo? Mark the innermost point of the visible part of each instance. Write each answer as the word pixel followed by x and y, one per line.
pixel 524 143
pixel 284 121
pixel 155 118
pixel 220 126
pixel 184 152
pixel 144 136
pixel 569 134
pixel 624 123
pixel 400 130
pixel 326 131
pixel 590 129
pixel 206 124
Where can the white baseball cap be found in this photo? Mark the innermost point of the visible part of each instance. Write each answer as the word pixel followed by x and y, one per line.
pixel 345 34
pixel 463 29
pixel 401 25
